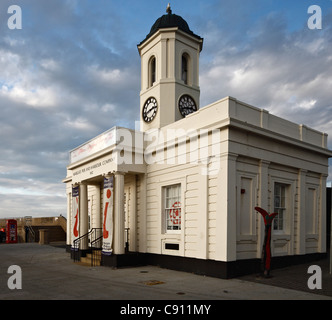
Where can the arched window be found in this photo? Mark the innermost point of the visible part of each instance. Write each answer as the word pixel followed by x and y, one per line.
pixel 184 68
pixel 152 71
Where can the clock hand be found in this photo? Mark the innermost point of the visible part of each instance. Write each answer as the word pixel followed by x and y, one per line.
pixel 151 109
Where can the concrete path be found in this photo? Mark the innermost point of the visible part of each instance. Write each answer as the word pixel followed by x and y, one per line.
pixel 48 273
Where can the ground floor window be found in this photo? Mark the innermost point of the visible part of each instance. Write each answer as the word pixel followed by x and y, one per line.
pixel 280 206
pixel 172 208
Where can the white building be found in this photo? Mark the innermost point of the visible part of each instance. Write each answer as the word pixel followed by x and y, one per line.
pixel 180 191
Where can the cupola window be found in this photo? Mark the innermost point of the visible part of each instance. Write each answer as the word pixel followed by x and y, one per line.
pixel 152 71
pixel 184 74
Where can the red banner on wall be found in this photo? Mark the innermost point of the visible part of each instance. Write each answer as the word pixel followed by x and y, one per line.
pixel 75 214
pixel 108 216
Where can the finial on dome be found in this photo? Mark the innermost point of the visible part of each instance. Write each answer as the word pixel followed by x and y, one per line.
pixel 168 9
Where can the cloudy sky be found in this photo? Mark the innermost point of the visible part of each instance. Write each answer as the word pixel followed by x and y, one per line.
pixel 73 71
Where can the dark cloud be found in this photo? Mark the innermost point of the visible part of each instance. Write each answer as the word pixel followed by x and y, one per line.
pixel 64 79
pixel 287 73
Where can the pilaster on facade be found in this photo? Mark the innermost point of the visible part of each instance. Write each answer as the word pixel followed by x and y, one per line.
pixel 322 219
pixel 83 213
pixel 97 217
pixel 263 202
pixel 203 230
pixel 119 219
pixel 226 208
pixel 69 219
pixel 301 212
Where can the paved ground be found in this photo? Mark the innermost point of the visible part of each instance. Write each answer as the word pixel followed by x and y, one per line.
pixel 49 274
pixel 296 278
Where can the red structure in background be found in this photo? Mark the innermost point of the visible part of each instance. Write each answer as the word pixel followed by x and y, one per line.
pixel 266 252
pixel 11 231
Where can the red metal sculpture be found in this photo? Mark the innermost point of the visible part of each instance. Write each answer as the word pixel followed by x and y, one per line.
pixel 266 251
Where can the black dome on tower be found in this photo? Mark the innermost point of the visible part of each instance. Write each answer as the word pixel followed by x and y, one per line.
pixel 170 20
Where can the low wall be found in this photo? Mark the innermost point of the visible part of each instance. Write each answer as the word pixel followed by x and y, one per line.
pixel 56 226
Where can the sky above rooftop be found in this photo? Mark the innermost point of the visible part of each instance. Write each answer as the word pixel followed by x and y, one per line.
pixel 73 71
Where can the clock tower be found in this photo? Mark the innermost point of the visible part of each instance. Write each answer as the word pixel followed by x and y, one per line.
pixel 169 72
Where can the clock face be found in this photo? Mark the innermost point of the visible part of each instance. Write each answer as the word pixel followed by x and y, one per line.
pixel 187 105
pixel 150 109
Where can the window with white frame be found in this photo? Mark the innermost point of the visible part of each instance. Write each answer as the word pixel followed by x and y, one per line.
pixel 172 208
pixel 280 206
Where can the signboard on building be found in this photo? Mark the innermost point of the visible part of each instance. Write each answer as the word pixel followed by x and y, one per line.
pixel 93 146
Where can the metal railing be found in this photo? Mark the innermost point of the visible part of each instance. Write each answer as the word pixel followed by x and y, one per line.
pixel 96 246
pixel 85 241
pixel 31 237
pixel 29 232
